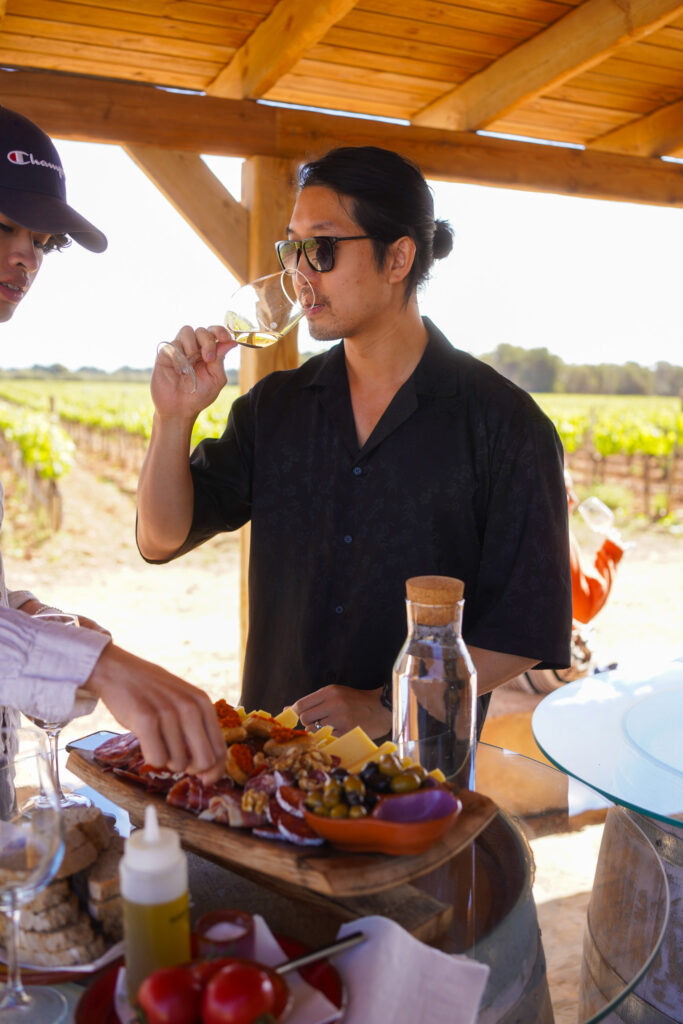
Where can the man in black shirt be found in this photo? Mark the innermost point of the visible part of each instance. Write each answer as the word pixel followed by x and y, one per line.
pixel 391 455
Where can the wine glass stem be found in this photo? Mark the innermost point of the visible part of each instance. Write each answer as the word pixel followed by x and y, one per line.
pixel 53 735
pixel 13 994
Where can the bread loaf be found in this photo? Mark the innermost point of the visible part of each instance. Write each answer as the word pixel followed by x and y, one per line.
pixel 103 877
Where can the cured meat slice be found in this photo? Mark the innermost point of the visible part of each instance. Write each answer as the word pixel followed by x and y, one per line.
pixel 189 793
pixel 119 751
pixel 291 800
pixel 227 809
pixel 296 831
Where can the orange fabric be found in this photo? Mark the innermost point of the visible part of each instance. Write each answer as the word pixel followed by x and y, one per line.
pixel 590 587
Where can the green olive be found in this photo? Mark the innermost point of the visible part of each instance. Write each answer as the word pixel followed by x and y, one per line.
pixel 405 782
pixel 358 811
pixel 390 765
pixel 354 788
pixel 419 770
pixel 332 793
pixel 339 810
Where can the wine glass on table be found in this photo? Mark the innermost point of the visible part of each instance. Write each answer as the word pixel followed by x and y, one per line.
pixel 31 849
pixel 259 314
pixel 54 728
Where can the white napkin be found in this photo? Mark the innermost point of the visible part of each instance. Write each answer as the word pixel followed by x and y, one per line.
pixel 395 977
pixel 310 1006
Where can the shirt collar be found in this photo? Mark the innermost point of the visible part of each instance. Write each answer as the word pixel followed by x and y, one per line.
pixel 435 374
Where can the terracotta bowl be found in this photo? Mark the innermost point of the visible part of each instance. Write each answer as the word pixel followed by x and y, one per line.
pixel 398 825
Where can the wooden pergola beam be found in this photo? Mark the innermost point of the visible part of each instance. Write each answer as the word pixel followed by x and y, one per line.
pixel 656 134
pixel 198 196
pixel 279 42
pixel 584 37
pixel 97 110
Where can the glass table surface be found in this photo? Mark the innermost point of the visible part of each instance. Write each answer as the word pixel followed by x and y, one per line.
pixel 499 896
pixel 621 734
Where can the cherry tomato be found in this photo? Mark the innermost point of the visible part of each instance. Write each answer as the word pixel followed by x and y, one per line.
pixel 203 970
pixel 170 996
pixel 239 993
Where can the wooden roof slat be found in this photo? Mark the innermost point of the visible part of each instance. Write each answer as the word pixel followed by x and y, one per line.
pixel 581 39
pixel 394 27
pixel 387 63
pixel 106 60
pixel 224 14
pixel 660 133
pixel 137 22
pixel 422 53
pixel 111 39
pixel 440 15
pixel 276 46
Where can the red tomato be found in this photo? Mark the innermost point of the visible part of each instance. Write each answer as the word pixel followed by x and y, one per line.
pixel 238 994
pixel 170 996
pixel 203 970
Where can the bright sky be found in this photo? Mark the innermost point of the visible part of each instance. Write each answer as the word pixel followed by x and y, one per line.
pixel 592 281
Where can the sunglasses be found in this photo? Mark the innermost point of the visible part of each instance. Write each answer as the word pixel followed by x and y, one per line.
pixel 319 251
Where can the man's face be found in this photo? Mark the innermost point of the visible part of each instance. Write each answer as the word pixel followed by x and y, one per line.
pixel 354 293
pixel 21 254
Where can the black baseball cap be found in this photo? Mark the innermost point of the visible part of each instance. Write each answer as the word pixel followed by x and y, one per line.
pixel 33 186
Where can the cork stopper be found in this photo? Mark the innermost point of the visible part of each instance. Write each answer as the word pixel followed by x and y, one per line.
pixel 441 591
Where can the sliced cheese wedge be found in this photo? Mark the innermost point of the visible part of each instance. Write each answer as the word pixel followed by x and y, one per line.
pixel 385 748
pixel 437 774
pixel 352 747
pixel 288 717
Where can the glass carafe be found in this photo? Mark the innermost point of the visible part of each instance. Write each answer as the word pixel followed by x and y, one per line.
pixel 435 682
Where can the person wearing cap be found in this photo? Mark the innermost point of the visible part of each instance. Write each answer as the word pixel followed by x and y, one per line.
pixel 43 664
pixel 391 455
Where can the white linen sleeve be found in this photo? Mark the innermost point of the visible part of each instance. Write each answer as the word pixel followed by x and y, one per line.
pixel 42 664
pixel 19 597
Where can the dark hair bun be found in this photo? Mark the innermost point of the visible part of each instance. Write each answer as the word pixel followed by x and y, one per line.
pixel 443 239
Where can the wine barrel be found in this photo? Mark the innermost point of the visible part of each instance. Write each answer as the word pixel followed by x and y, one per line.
pixel 500 927
pixel 616 944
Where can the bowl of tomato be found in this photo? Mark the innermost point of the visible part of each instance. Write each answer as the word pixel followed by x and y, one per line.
pixel 227 990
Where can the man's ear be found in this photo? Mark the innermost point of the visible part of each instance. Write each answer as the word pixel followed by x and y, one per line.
pixel 400 256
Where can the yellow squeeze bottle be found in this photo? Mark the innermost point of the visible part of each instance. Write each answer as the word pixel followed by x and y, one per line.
pixel 156 906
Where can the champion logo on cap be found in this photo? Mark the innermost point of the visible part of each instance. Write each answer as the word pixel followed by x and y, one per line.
pixel 20 156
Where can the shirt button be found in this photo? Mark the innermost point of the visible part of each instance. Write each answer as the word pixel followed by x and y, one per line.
pixel 357 471
pixel 348 538
pixel 339 609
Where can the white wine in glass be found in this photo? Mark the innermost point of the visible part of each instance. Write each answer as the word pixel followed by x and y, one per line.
pixel 31 849
pixel 259 314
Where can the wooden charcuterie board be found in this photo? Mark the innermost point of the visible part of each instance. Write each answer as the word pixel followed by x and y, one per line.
pixel 320 869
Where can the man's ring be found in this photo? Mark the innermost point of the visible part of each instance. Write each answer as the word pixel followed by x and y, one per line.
pixel 317 725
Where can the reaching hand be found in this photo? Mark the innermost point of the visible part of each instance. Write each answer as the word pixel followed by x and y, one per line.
pixel 175 722
pixel 343 708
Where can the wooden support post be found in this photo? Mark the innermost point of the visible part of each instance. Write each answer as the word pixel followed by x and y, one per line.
pixel 268 191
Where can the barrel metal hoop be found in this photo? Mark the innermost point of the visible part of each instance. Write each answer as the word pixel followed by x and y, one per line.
pixel 610 983
pixel 669 847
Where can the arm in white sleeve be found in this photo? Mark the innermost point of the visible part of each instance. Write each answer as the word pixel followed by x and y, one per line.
pixel 19 597
pixel 42 664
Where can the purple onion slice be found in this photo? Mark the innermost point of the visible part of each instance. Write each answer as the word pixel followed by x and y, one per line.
pixel 424 805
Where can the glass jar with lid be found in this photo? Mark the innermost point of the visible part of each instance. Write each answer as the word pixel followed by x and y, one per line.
pixel 435 682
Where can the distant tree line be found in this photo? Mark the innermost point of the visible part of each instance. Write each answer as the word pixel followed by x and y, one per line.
pixel 534 369
pixel 58 372
pixel 538 370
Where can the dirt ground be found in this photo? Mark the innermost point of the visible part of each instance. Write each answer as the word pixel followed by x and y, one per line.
pixel 185 615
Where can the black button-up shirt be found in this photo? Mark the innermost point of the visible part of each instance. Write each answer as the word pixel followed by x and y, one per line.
pixel 462 476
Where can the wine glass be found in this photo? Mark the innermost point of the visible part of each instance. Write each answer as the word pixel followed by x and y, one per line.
pixel 259 314
pixel 31 849
pixel 53 729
